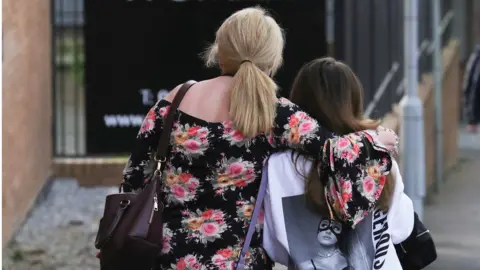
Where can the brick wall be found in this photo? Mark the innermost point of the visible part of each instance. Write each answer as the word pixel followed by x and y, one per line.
pixel 451 103
pixel 27 107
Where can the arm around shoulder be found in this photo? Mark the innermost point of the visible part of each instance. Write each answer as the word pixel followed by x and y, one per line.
pixel 356 162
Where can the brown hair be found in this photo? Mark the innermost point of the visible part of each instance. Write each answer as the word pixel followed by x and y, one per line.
pixel 330 92
pixel 249 44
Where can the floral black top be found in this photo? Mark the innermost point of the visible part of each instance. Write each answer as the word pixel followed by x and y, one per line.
pixel 212 178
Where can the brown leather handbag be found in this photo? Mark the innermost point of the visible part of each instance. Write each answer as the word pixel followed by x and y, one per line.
pixel 130 235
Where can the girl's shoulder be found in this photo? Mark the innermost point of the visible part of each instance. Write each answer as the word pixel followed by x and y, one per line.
pixel 285 103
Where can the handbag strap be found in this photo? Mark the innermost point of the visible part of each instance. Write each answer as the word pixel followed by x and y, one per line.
pixel 163 143
pixel 162 148
pixel 253 221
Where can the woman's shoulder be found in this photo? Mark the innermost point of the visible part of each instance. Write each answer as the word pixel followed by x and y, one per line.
pixel 286 109
pixel 161 107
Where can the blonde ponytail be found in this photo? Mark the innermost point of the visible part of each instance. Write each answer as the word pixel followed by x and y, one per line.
pixel 252 100
pixel 248 44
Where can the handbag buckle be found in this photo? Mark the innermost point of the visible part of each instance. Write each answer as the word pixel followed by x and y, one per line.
pixel 124 203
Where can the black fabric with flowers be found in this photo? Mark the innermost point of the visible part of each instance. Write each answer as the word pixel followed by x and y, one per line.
pixel 213 174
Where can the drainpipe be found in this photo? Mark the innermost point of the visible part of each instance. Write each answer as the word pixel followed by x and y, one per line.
pixel 438 72
pixel 412 141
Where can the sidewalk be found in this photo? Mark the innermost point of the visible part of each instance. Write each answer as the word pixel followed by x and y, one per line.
pixel 454 216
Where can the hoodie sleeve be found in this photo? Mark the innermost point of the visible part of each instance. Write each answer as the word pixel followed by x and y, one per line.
pixel 401 213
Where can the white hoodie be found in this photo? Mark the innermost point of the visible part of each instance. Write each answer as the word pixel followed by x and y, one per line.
pixel 295 236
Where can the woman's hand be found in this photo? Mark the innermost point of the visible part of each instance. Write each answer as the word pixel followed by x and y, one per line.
pixel 389 138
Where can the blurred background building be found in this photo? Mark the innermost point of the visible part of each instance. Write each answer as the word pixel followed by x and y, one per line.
pixel 79 76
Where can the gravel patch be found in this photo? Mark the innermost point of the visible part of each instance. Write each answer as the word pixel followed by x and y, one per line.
pixel 60 232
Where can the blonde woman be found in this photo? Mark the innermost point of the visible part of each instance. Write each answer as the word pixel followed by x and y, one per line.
pixel 224 130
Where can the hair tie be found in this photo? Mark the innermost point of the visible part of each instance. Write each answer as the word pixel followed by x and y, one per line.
pixel 244 61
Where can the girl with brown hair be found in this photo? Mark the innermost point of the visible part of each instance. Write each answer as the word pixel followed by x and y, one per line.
pixel 330 92
pixel 223 131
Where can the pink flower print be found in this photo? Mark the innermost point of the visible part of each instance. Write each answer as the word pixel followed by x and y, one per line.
pixel 301 115
pixel 218 216
pixel 227 126
pixel 368 185
pixel 192 186
pixel 191 145
pixel 190 260
pixel 261 217
pixel 191 141
pixel 342 144
pixel 166 245
pixel 149 122
pixel 350 157
pixel 381 180
pixel 181 264
pixel 346 185
pixel 185 177
pixel 224 259
pixel 167 237
pixel 235 169
pixel 377 194
pixel 356 149
pixel 181 186
pixel 207 214
pixel 193 131
pixel 293 121
pixel 237 136
pixel 240 183
pixel 203 134
pixel 178 191
pixel 333 191
pixel 346 191
pixel 164 111
pixel 209 229
pixel 306 127
pixel 225 253
pixel 232 174
pixel 270 139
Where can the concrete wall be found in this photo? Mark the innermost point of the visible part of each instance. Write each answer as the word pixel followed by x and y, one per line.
pixel 451 102
pixel 27 145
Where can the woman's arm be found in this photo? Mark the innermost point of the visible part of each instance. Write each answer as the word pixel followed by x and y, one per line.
pixel 137 171
pixel 356 162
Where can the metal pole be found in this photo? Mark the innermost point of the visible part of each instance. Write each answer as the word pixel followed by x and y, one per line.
pixel 330 27
pixel 438 72
pixel 412 130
